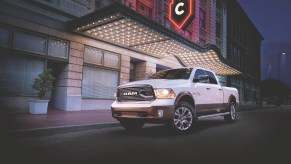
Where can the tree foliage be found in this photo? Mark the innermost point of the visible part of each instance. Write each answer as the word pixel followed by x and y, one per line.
pixel 43 83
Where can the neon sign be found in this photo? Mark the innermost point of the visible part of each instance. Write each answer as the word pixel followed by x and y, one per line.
pixel 181 12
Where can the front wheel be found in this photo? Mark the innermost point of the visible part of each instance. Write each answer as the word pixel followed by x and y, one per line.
pixel 183 118
pixel 231 117
pixel 131 124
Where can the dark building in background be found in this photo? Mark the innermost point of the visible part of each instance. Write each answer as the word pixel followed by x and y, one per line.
pixel 243 49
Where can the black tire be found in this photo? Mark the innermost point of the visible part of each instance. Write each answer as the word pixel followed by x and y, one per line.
pixel 231 117
pixel 131 124
pixel 183 118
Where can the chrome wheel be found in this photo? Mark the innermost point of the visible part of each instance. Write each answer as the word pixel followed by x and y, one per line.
pixel 183 118
pixel 231 117
pixel 232 111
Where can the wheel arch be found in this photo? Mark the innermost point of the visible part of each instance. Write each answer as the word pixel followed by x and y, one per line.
pixel 185 96
pixel 232 98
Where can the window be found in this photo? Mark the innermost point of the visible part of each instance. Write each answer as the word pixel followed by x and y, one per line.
pixel 202 18
pixel 182 73
pixel 30 42
pixel 144 9
pixel 218 4
pixel 161 68
pixel 93 56
pixel 99 57
pixel 218 30
pixel 234 55
pixel 4 36
pixel 58 48
pixel 212 79
pixel 198 72
pixel 99 83
pixel 17 74
pixel 111 59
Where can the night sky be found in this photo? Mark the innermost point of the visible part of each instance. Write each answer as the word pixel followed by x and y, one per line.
pixel 273 19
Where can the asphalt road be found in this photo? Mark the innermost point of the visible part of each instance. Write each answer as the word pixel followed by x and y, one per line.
pixel 260 136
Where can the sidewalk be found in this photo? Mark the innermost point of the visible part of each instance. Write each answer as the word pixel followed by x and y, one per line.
pixel 55 121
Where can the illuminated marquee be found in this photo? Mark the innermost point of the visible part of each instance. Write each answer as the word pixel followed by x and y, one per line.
pixel 181 12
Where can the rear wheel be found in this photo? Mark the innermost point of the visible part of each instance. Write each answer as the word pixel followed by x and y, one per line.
pixel 231 117
pixel 131 124
pixel 183 118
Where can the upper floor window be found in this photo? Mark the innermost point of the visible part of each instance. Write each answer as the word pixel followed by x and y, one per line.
pixel 4 36
pixel 144 9
pixel 58 48
pixel 38 44
pixel 30 42
pixel 202 18
pixel 218 30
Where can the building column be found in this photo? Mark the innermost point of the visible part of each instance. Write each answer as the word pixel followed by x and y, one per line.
pixel 68 86
pixel 124 70
pixel 144 70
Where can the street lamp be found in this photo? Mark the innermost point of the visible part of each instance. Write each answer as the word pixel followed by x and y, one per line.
pixel 279 61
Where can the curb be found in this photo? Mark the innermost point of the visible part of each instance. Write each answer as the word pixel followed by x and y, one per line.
pixel 55 130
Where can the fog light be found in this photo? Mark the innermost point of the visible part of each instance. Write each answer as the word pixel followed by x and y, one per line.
pixel 160 113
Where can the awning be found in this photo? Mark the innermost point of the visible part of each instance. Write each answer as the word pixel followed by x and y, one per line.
pixel 124 27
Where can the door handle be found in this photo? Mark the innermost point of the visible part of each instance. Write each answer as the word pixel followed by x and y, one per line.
pixel 208 88
pixel 220 89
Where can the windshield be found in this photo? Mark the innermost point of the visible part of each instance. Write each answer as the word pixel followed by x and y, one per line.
pixel 182 73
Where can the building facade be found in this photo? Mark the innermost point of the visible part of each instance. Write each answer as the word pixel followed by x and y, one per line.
pixel 38 34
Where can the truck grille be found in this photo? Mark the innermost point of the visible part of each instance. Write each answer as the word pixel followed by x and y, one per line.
pixel 135 93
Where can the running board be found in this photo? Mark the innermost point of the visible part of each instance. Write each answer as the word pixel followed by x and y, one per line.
pixel 213 115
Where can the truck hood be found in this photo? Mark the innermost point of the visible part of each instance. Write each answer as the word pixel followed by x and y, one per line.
pixel 157 83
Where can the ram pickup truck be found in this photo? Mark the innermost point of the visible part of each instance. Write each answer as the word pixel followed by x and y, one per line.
pixel 175 97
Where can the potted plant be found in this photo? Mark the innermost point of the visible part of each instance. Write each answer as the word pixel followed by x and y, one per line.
pixel 42 84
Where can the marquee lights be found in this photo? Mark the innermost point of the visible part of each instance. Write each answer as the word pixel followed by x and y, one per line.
pixel 130 34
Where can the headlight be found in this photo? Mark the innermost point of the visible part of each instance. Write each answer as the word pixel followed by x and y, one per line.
pixel 164 93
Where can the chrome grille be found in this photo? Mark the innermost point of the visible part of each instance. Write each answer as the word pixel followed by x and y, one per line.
pixel 135 93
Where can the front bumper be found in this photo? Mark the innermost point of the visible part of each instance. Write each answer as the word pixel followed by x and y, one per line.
pixel 147 114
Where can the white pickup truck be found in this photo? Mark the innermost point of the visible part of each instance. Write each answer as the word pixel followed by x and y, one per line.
pixel 176 97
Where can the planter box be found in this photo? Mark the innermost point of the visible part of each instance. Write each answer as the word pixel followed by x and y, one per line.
pixel 38 106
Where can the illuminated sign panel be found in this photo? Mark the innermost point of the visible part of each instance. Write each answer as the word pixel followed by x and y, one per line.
pixel 181 12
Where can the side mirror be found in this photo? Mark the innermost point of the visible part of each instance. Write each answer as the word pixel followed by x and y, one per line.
pixel 202 79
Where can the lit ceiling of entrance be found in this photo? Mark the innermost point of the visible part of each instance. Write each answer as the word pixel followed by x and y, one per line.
pixel 126 32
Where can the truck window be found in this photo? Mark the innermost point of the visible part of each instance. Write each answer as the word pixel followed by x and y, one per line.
pixel 182 73
pixel 198 73
pixel 212 79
